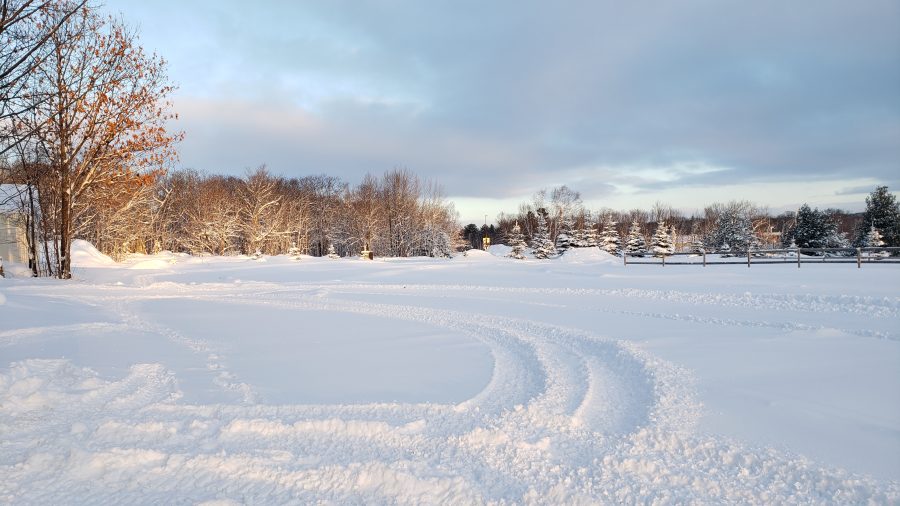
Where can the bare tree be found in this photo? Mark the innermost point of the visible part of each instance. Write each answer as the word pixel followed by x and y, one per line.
pixel 99 113
pixel 26 27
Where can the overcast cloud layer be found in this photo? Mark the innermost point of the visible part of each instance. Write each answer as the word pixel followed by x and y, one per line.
pixel 779 102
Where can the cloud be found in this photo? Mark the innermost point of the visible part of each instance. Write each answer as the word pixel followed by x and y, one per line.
pixel 501 99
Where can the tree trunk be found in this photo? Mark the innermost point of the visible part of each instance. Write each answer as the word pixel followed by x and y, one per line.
pixel 31 230
pixel 65 236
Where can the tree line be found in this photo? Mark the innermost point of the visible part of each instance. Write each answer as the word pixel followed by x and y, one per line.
pixel 556 220
pixel 83 117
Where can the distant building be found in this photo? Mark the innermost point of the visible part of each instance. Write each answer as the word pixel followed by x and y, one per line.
pixel 13 243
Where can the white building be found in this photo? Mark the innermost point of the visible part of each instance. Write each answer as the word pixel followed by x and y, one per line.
pixel 13 245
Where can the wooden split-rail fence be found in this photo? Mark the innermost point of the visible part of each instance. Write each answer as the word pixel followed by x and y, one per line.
pixel 798 256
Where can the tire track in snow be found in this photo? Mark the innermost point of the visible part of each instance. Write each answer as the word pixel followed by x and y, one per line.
pixel 566 418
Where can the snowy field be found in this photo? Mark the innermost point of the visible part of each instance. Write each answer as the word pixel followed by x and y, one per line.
pixel 178 380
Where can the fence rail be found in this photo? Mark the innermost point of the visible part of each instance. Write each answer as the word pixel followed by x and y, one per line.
pixel 797 256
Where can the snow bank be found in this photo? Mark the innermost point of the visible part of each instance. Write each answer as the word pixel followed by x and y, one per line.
pixel 499 250
pixel 477 255
pixel 589 256
pixel 16 270
pixel 84 254
pixel 151 263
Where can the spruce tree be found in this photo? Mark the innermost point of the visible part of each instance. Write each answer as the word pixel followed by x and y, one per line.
pixel 661 243
pixel 590 232
pixel 734 228
pixel 564 237
pixel 516 241
pixel 635 245
pixel 331 252
pixel 883 213
pixel 609 238
pixel 697 245
pixel 578 237
pixel 541 244
pixel 814 229
pixel 294 251
pixel 873 239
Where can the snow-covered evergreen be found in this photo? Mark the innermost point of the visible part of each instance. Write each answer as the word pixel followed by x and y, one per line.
pixel 564 237
pixel 697 245
pixel 331 252
pixel 635 245
pixel 441 246
pixel 883 213
pixel 816 229
pixel 661 243
pixel 590 232
pixel 609 238
pixel 541 244
pixel 873 239
pixel 578 237
pixel 516 241
pixel 734 228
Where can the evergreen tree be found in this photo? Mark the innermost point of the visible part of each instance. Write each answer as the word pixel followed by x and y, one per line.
pixel 441 246
pixel 635 245
pixel 541 244
pixel 873 239
pixel 609 238
pixel 564 238
pixel 661 243
pixel 883 213
pixel 590 232
pixel 697 245
pixel 734 228
pixel 815 229
pixel 578 237
pixel 673 235
pixel 516 241
pixel 331 252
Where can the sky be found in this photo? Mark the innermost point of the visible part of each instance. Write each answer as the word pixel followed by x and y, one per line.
pixel 630 103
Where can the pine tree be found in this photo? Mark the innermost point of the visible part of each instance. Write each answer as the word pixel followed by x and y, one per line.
pixel 564 238
pixel 734 228
pixel 441 246
pixel 331 252
pixel 883 213
pixel 815 229
pixel 697 245
pixel 873 239
pixel 578 237
pixel 661 243
pixel 609 238
pixel 516 241
pixel 635 245
pixel 294 251
pixel 590 232
pixel 541 244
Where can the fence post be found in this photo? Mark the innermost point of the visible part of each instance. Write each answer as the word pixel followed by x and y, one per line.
pixel 858 258
pixel 664 259
pixel 704 257
pixel 748 258
pixel 625 257
pixel 798 257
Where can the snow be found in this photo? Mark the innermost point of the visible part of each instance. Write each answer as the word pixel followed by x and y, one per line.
pixel 480 379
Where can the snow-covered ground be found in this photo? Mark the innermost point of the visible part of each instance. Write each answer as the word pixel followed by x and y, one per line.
pixel 171 379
